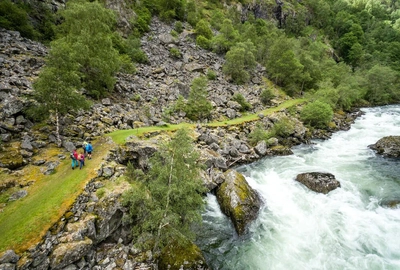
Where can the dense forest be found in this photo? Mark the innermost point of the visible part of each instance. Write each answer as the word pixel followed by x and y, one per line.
pixel 338 53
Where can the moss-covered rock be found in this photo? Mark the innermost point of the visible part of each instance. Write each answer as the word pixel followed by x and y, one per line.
pixel 238 200
pixel 11 157
pixel 182 254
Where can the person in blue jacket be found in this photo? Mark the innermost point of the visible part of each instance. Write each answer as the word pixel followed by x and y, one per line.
pixel 89 149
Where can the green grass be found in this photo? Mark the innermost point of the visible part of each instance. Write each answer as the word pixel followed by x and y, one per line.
pixel 24 222
pixel 120 136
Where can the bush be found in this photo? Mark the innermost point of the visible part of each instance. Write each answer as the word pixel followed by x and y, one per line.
pixel 203 29
pixel 266 96
pixel 211 75
pixel 257 135
pixel 203 42
pixel 198 107
pixel 317 114
pixel 178 27
pixel 13 17
pixel 174 53
pixel 142 21
pixel 283 128
pixel 239 98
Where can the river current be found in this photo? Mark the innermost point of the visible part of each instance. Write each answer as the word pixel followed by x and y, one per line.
pixel 349 228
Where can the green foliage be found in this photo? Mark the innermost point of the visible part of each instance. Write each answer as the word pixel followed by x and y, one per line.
pixel 244 104
pixel 283 128
pixel 258 134
pixel 226 39
pixel 142 20
pixel 317 114
pixel 240 62
pixel 198 107
pixel 266 96
pixel 203 29
pixel 175 53
pixel 172 10
pixel 382 84
pixel 211 75
pixel 14 17
pixel 167 200
pixel 55 91
pixel 134 50
pixel 87 29
pixel 203 42
pixel 178 27
pixel 283 65
pixel 126 64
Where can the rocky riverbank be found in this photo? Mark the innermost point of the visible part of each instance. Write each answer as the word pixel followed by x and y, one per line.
pixel 92 234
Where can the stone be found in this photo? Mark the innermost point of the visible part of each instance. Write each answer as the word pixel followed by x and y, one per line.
pixel 318 182
pixel 66 253
pixel 9 256
pixel 387 146
pixel 238 200
pixel 261 148
pixel 18 195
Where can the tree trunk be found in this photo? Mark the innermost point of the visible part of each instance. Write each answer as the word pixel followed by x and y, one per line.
pixel 58 129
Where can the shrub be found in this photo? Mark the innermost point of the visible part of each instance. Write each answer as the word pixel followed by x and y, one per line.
pixel 317 114
pixel 203 29
pixel 266 96
pixel 142 21
pixel 203 42
pixel 198 107
pixel 258 134
pixel 174 33
pixel 239 98
pixel 178 27
pixel 13 17
pixel 211 75
pixel 283 128
pixel 174 53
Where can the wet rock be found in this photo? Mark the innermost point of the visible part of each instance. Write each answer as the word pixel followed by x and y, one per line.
pixel 318 182
pixel 387 146
pixel 238 200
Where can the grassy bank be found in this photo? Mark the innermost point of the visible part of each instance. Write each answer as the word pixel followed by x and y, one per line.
pixel 120 136
pixel 24 222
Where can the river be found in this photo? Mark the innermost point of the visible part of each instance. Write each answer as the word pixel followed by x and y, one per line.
pixel 299 229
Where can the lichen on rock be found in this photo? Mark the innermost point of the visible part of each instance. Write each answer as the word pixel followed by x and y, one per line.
pixel 238 200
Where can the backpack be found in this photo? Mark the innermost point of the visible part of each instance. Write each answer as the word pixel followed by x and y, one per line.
pixel 71 155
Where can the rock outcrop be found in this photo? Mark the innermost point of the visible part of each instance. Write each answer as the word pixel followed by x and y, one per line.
pixel 238 200
pixel 318 182
pixel 387 146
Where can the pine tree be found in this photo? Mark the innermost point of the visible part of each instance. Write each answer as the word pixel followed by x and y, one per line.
pixel 168 199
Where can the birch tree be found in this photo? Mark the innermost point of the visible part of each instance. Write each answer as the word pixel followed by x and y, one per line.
pixel 166 201
pixel 55 91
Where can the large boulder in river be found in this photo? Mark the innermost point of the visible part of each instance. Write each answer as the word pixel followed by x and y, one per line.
pixel 318 182
pixel 387 146
pixel 238 200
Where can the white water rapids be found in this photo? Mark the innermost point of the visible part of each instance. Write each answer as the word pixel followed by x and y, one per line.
pixel 299 229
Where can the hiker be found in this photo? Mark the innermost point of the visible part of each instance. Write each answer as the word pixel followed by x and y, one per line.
pixel 84 144
pixel 74 159
pixel 89 149
pixel 81 158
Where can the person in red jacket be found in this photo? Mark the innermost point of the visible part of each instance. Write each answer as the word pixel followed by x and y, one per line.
pixel 74 158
